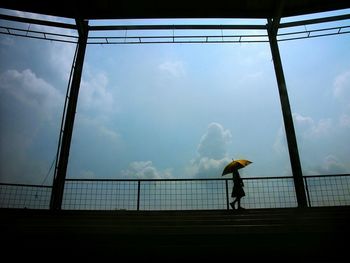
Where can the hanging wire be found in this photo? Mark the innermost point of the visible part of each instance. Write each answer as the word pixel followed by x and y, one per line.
pixel 55 159
pixel 49 171
pixel 28 30
pixel 126 35
pixel 64 110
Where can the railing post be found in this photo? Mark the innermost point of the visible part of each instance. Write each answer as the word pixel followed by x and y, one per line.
pixel 227 196
pixel 307 192
pixel 138 194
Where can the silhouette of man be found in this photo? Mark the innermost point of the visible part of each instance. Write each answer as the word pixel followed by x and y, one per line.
pixel 237 190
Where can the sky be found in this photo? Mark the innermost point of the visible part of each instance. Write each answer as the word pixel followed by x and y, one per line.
pixel 173 110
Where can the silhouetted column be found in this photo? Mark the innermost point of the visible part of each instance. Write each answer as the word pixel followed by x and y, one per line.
pixel 287 115
pixel 60 176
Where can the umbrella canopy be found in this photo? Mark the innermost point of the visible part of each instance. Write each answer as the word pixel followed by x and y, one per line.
pixel 235 164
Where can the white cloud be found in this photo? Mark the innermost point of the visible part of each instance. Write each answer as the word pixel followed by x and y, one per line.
pixel 310 128
pixel 109 133
pixel 86 174
pixel 212 152
pixel 330 165
pixel 344 121
pixel 94 94
pixel 206 167
pixel 31 108
pixel 145 170
pixel 7 41
pixel 99 128
pixel 60 56
pixel 306 128
pixel 30 90
pixel 341 84
pixel 214 142
pixel 280 142
pixel 173 68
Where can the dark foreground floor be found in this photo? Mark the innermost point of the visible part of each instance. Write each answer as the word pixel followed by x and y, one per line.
pixel 283 235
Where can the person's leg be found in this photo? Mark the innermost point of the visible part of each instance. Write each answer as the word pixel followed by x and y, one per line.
pixel 233 203
pixel 239 202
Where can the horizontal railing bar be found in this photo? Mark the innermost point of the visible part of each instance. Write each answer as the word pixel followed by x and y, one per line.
pixel 327 175
pixel 180 179
pixel 26 185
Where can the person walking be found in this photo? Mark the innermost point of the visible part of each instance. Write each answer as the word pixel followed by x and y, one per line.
pixel 237 190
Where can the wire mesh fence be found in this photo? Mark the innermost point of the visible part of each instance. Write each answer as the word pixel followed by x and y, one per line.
pixel 269 192
pixel 100 195
pixel 24 196
pixel 178 194
pixel 328 190
pixel 182 195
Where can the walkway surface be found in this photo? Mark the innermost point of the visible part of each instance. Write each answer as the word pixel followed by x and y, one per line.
pixel 288 234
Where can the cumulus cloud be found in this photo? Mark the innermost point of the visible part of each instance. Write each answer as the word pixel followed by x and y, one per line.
pixel 311 128
pixel 30 107
pixel 173 68
pixel 344 121
pixel 280 142
pixel 87 174
pixel 341 84
pixel 206 167
pixel 94 93
pixel 214 142
pixel 145 170
pixel 306 129
pixel 30 90
pixel 100 127
pixel 58 54
pixel 60 57
pixel 212 152
pixel 330 165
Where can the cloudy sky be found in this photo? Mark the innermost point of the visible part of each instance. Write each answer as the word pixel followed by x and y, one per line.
pixel 173 110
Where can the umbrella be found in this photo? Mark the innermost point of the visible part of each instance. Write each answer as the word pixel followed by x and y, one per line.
pixel 235 164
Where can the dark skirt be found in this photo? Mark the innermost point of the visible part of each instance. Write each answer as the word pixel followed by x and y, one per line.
pixel 237 192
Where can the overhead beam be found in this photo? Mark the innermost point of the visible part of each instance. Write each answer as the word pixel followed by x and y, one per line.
pixel 175 27
pixel 314 21
pixel 37 21
pixel 156 9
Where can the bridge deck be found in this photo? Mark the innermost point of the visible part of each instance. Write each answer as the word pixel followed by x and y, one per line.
pixel 312 234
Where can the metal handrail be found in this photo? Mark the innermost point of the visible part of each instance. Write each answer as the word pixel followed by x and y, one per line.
pixel 139 191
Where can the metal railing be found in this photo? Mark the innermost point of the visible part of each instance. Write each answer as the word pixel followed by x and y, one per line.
pixel 178 194
pixel 24 196
pixel 330 190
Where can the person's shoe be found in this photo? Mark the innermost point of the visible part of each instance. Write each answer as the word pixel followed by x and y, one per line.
pixel 232 205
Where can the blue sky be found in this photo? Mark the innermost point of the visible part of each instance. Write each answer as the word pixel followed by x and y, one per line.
pixel 173 110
